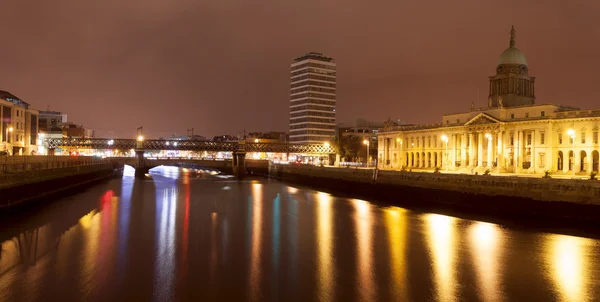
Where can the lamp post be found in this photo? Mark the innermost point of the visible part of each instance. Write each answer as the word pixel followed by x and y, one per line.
pixel 366 143
pixel 571 134
pixel 445 140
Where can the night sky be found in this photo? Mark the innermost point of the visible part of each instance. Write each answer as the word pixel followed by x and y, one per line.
pixel 223 66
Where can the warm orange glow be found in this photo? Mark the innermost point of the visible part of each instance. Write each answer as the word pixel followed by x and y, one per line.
pixel 442 244
pixel 395 222
pixel 324 245
pixel 486 243
pixel 366 142
pixel 569 266
pixel 255 265
pixel 10 129
pixel 364 236
pixel 140 138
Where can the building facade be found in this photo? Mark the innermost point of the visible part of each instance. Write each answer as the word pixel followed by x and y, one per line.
pixel 512 134
pixel 312 99
pixel 19 127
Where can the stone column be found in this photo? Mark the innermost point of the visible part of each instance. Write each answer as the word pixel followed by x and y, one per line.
pixel 533 153
pixel 490 151
pixel 471 148
pixel 463 150
pixel 480 149
pixel 453 151
pixel 500 151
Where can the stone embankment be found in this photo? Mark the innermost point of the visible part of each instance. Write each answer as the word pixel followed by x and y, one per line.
pixel 547 197
pixel 24 179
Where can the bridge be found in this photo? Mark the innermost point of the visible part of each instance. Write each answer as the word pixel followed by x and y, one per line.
pixel 238 149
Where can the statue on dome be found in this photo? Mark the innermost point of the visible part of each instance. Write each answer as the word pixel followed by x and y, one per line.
pixel 500 105
pixel 489 102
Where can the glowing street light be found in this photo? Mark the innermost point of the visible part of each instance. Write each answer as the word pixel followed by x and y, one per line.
pixel 111 142
pixel 366 143
pixel 9 129
pixel 140 138
pixel 445 140
pixel 571 134
pixel 326 144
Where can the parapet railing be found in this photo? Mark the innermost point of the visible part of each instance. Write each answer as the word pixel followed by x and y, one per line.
pixel 10 165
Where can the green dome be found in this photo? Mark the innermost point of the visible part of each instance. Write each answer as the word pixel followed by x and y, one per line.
pixel 512 55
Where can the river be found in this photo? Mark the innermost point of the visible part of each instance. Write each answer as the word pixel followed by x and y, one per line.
pixel 187 236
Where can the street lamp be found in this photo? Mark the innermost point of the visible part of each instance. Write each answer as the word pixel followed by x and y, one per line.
pixel 571 134
pixel 326 144
pixel 366 143
pixel 140 138
pixel 445 140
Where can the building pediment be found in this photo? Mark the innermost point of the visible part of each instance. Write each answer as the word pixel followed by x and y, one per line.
pixel 482 118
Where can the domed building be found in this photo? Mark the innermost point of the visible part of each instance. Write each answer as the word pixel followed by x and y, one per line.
pixel 511 134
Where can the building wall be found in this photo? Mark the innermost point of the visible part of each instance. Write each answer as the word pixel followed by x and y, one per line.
pixel 520 144
pixel 24 124
pixel 312 99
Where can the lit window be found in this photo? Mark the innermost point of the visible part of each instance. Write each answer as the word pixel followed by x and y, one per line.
pixel 542 138
pixel 512 139
pixel 560 138
pixel 583 137
pixel 528 139
pixel 595 137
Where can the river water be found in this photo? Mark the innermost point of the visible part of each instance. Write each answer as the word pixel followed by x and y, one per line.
pixel 186 236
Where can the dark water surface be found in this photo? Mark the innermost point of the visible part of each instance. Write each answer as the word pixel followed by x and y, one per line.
pixel 187 237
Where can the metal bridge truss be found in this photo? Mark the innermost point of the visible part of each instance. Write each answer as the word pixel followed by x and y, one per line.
pixel 187 145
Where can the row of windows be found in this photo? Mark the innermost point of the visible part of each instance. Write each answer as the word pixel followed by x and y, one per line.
pixel 512 116
pixel 313 119
pixel 312 88
pixel 312 101
pixel 296 132
pixel 313 70
pixel 315 83
pixel 313 113
pixel 311 125
pixel 582 138
pixel 304 138
pixel 311 94
pixel 312 107
pixel 311 64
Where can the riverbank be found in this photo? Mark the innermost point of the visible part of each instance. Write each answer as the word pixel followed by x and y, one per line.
pixel 574 200
pixel 26 187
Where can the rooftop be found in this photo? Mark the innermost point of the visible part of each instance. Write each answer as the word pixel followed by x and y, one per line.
pixel 5 95
pixel 315 56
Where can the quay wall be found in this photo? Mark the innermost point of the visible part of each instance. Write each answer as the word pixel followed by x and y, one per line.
pixel 541 197
pixel 21 188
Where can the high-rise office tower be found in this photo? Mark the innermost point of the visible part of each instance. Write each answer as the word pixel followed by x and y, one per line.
pixel 312 99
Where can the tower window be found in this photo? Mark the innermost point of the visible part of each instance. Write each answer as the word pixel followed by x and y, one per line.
pixel 526 114
pixel 512 115
pixel 543 113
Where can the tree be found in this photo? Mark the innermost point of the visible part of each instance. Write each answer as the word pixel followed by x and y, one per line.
pixel 350 147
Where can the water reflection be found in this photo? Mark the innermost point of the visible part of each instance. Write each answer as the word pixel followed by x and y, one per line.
pixel 119 241
pixel 570 270
pixel 364 223
pixel 255 265
pixel 164 266
pixel 487 243
pixel 442 244
pixel 396 221
pixel 324 243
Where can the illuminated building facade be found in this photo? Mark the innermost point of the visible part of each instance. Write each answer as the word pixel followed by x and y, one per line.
pixel 312 99
pixel 19 126
pixel 512 134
